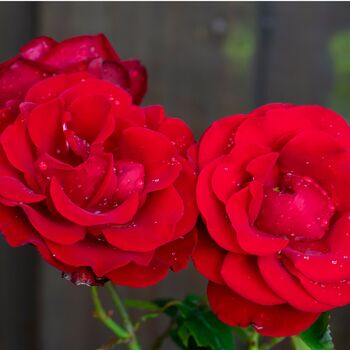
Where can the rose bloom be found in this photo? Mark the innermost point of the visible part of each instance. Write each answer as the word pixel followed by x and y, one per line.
pixel 103 188
pixel 44 57
pixel 274 194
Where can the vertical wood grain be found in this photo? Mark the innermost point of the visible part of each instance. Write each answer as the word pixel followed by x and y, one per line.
pixel 18 267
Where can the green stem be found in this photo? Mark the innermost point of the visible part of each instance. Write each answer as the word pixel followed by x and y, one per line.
pixel 272 343
pixel 253 341
pixel 118 304
pixel 104 318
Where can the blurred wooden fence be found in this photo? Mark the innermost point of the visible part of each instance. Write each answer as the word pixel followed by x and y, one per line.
pixel 205 60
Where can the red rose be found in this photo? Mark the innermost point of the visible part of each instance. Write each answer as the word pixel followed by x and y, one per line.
pixel 273 191
pixel 44 57
pixel 103 188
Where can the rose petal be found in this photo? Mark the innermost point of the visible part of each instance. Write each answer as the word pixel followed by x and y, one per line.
pixel 156 220
pixel 14 190
pixel 120 215
pixel 241 274
pixel 218 139
pixel 208 257
pixel 213 212
pixel 53 228
pixel 287 287
pixel 106 258
pixel 78 49
pixel 272 321
pixel 250 238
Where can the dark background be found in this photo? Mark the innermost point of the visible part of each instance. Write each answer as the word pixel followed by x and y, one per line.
pixel 205 61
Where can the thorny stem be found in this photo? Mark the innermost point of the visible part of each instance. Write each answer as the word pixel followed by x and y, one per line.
pixel 118 304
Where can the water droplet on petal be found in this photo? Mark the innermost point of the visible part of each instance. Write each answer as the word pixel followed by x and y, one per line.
pixel 43 166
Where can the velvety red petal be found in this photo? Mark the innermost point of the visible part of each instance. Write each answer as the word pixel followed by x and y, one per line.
pixel 111 71
pixel 218 139
pixel 326 120
pixel 52 87
pixel 17 232
pixel 185 185
pixel 88 87
pixel 241 274
pixel 17 79
pixel 138 79
pixel 264 169
pixel 250 238
pixel 37 48
pixel 320 267
pixel 89 113
pixel 272 321
pixel 314 154
pixel 273 130
pixel 230 174
pixel 120 215
pixel 136 276
pixel 178 132
pixel 53 228
pixel 52 139
pixel 300 208
pixel 155 152
pixel 178 253
pixel 156 220
pixel 154 116
pixel 105 258
pixel 14 190
pixel 213 211
pixel 335 294
pixel 77 49
pixel 17 146
pixel 208 257
pixel 287 287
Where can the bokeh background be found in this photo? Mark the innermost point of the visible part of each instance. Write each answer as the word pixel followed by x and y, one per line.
pixel 205 61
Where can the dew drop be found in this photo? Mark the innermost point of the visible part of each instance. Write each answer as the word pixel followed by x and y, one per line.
pixel 43 166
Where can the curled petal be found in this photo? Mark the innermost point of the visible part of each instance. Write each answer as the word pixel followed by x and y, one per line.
pixel 287 287
pixel 64 205
pixel 106 258
pixel 250 238
pixel 156 220
pixel 218 139
pixel 208 257
pixel 241 274
pixel 213 212
pixel 53 228
pixel 272 321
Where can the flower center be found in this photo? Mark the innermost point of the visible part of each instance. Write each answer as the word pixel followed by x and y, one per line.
pixel 298 208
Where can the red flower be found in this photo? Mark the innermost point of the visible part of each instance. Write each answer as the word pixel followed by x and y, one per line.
pixel 103 188
pixel 44 57
pixel 274 194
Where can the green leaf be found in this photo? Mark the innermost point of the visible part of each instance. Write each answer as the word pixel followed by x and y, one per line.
pixel 299 344
pixel 317 337
pixel 195 326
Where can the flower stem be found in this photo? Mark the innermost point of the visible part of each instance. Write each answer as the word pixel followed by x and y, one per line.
pixel 272 343
pixel 104 318
pixel 118 304
pixel 253 341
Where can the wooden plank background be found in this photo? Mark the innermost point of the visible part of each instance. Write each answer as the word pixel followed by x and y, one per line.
pixel 205 60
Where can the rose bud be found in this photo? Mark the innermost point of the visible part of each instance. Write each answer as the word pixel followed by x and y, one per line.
pixel 273 192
